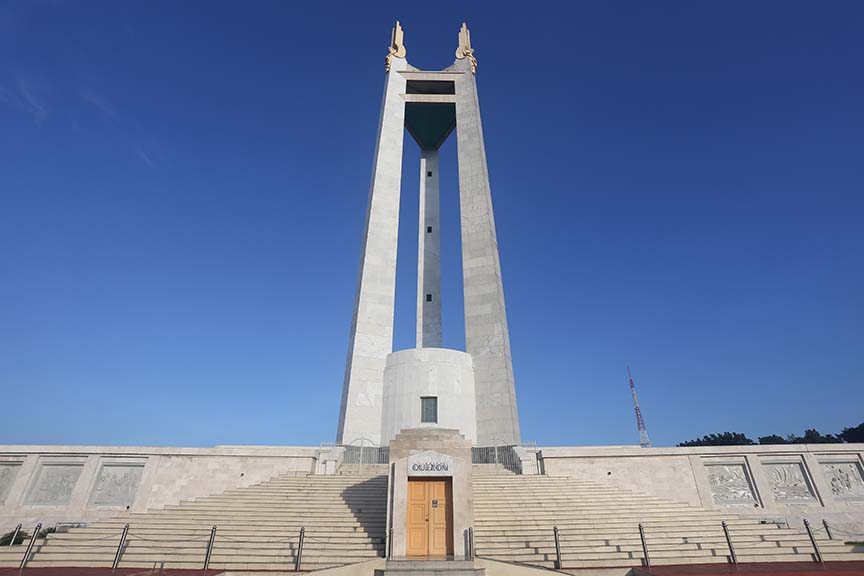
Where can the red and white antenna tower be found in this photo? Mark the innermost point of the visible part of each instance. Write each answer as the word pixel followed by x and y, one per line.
pixel 644 441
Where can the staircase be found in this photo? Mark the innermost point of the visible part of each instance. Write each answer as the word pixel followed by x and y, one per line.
pixel 598 526
pixel 258 528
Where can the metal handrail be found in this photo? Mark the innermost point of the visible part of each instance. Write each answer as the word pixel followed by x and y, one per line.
pixel 729 542
pixel 210 547
pixel 824 523
pixel 644 546
pixel 30 546
pixel 15 535
pixel 557 548
pixel 297 560
pixel 813 541
pixel 120 547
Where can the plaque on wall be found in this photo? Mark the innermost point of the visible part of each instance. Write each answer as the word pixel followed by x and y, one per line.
pixel 430 463
pixel 730 484
pixel 789 481
pixel 116 484
pixel 54 484
pixel 845 479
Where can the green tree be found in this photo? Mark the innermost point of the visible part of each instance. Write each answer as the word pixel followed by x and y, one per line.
pixel 853 434
pixel 812 436
pixel 773 439
pixel 7 538
pixel 724 439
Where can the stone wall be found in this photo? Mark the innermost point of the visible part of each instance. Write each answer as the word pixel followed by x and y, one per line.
pixel 52 484
pixel 792 482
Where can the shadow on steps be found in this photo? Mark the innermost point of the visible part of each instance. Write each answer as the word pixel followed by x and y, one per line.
pixel 367 501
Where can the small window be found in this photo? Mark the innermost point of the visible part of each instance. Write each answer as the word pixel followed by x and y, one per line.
pixel 429 174
pixel 429 409
pixel 428 297
pixel 428 229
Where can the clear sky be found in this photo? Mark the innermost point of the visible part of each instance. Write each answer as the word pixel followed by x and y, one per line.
pixel 677 187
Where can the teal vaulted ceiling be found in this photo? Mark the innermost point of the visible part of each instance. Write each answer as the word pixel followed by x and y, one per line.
pixel 430 123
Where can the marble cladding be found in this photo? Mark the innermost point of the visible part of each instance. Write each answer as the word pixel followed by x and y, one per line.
pixel 81 484
pixel 51 484
pixel 8 472
pixel 792 482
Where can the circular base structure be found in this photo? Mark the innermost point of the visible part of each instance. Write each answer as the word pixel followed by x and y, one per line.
pixel 439 373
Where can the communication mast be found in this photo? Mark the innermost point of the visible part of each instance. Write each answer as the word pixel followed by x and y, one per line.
pixel 644 441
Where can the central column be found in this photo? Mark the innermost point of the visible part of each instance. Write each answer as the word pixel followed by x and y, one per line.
pixel 429 255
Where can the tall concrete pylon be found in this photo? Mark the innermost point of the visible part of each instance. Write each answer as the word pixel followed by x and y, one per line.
pixel 430 105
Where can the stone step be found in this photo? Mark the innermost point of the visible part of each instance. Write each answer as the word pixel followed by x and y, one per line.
pixel 274 512
pixel 404 567
pixel 708 539
pixel 233 532
pixel 549 517
pixel 354 508
pixel 234 544
pixel 598 524
pixel 428 565
pixel 581 504
pixel 258 525
pixel 239 563
pixel 185 555
pixel 332 498
pixel 547 548
pixel 612 533
pixel 307 566
pixel 599 527
pixel 191 522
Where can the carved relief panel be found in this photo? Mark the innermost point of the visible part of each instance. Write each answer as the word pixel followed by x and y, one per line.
pixel 116 484
pixel 845 479
pixel 730 484
pixel 8 472
pixel 789 481
pixel 54 484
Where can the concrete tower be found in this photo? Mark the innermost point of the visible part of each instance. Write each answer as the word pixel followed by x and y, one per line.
pixel 382 391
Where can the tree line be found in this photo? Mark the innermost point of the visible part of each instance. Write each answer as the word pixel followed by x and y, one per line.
pixel 811 436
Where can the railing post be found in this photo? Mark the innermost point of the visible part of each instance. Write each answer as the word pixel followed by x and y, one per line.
pixel 30 546
pixel 557 548
pixel 471 542
pixel 813 541
pixel 210 547
pixel 299 557
pixel 120 547
pixel 390 544
pixel 729 542
pixel 824 523
pixel 644 546
pixel 15 535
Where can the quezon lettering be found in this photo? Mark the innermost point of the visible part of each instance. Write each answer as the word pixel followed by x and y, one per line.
pixel 430 467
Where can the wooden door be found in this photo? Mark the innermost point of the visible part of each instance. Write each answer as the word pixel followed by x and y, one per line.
pixel 418 520
pixel 430 518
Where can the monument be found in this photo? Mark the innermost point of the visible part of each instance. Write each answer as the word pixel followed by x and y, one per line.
pixel 449 478
pixel 472 390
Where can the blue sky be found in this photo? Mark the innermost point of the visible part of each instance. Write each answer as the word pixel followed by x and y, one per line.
pixel 677 186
